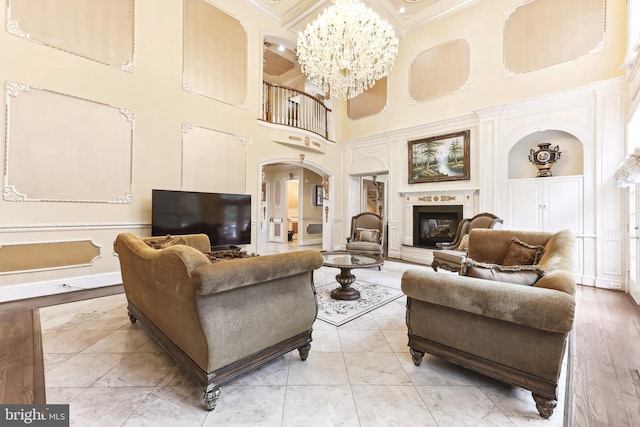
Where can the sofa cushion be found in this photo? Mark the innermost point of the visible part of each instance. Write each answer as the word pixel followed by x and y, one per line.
pixel 366 235
pixel 165 242
pixel 521 253
pixel 516 274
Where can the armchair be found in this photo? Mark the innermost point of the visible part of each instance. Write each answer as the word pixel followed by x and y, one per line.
pixel 450 256
pixel 366 234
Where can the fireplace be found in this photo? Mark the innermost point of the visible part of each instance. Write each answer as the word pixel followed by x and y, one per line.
pixel 435 224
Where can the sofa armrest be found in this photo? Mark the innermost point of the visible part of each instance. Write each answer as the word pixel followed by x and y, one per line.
pixel 532 306
pixel 227 275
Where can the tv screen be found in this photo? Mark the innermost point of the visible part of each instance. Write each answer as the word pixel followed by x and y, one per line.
pixel 225 218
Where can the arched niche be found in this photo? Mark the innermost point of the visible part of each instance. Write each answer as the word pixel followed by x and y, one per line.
pixel 571 160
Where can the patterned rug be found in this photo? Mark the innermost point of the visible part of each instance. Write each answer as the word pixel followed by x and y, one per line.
pixel 339 312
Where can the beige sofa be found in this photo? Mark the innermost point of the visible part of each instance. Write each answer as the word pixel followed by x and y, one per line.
pixel 508 331
pixel 219 320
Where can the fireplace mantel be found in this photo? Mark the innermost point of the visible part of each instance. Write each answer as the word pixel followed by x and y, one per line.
pixel 465 198
pixel 444 197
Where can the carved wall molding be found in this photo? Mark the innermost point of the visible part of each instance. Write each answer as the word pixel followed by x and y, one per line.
pixel 45 256
pixel 93 146
pixel 22 228
pixel 99 31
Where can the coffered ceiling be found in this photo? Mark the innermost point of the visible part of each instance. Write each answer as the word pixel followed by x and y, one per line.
pixel 404 15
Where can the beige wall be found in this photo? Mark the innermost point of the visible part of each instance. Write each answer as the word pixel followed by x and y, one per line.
pixel 153 92
pixel 482 26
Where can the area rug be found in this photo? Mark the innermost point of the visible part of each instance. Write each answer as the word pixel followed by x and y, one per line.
pixel 339 312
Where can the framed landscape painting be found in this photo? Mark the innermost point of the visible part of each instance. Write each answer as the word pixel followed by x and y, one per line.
pixel 439 158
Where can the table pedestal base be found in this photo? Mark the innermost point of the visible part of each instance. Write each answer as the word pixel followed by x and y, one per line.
pixel 345 291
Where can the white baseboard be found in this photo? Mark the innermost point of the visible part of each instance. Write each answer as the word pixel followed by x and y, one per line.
pixel 39 289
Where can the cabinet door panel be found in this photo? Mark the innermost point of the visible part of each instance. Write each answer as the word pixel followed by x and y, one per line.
pixel 524 206
pixel 563 205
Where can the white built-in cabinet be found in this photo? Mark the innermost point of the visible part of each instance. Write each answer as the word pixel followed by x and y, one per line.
pixel 546 204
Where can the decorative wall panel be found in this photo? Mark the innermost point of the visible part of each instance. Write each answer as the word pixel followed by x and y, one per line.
pixel 439 71
pixel 215 53
pixel 212 160
pixel 47 256
pixel 95 29
pixel 541 33
pixel 66 149
pixel 369 102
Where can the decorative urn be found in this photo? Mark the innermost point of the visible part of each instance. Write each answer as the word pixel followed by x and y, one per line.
pixel 544 158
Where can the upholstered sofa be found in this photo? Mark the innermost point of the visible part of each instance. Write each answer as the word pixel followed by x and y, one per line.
pixel 219 320
pixel 513 332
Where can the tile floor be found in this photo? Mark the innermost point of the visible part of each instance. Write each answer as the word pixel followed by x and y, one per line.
pixel 360 374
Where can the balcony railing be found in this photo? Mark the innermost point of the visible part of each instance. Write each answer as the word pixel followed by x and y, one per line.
pixel 287 106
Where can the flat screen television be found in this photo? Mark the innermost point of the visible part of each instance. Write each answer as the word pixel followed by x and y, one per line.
pixel 225 218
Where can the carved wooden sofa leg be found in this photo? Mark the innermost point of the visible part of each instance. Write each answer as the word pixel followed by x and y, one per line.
pixel 211 398
pixel 435 264
pixel 304 351
pixel 417 356
pixel 544 405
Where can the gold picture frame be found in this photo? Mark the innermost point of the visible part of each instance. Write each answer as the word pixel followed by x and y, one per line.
pixel 439 158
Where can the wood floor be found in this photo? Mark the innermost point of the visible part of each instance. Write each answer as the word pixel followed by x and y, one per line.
pixel 604 358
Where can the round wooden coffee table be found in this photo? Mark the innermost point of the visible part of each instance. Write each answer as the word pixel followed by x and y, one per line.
pixel 346 261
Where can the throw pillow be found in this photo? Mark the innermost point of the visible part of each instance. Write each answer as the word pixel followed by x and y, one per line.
pixel 517 274
pixel 165 242
pixel 464 243
pixel 521 253
pixel 366 235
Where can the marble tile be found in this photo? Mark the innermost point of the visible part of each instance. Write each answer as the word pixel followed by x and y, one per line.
pixel 125 341
pixel 363 340
pixel 248 406
pixel 394 308
pixel 456 406
pixel 69 341
pixel 108 407
pixel 321 368
pixel 82 370
pixel 171 407
pixel 319 406
pixel 138 369
pixel 434 371
pixel 362 322
pixel 275 372
pixel 375 369
pixel 51 360
pixel 326 340
pixel 388 322
pixel 391 406
pixel 397 339
pixel 63 395
pixel 518 404
pixel 178 377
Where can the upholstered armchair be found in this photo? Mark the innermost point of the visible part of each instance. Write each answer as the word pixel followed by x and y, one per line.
pixel 450 256
pixel 366 234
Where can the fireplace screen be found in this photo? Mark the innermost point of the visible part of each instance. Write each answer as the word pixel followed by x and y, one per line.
pixel 435 224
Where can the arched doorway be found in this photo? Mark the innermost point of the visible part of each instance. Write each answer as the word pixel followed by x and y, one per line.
pixel 294 209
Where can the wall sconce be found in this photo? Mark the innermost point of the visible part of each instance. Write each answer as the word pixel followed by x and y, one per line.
pixel 325 184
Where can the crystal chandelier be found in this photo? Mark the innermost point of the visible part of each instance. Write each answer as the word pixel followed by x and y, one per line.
pixel 347 48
